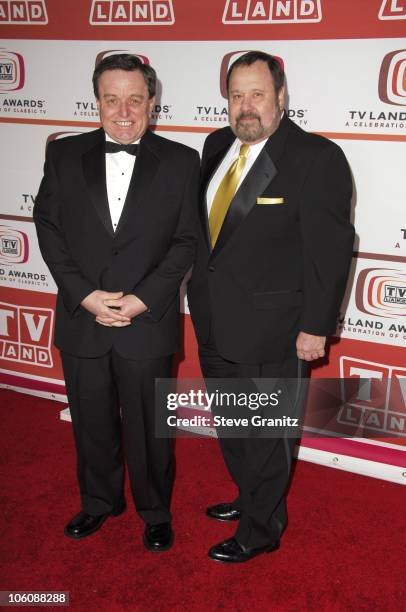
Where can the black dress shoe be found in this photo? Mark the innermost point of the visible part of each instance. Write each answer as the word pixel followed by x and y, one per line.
pixel 84 524
pixel 231 551
pixel 158 538
pixel 223 512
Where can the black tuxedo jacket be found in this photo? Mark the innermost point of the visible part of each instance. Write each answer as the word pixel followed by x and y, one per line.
pixel 278 267
pixel 148 255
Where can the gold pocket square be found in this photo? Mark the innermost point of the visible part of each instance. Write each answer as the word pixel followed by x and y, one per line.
pixel 270 200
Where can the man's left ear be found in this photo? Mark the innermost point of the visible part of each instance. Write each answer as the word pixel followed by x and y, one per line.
pixel 151 105
pixel 281 98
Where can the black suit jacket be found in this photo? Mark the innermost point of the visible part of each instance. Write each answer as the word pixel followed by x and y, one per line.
pixel 148 255
pixel 276 269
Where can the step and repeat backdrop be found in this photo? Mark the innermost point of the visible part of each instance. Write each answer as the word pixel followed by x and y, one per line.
pixel 346 79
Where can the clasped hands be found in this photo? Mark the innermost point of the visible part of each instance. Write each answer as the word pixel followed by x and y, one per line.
pixel 113 309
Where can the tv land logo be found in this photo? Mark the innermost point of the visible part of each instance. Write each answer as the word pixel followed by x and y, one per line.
pixel 26 334
pixel 272 11
pixel 12 78
pixel 381 292
pixel 392 78
pixel 373 396
pixel 391 90
pixel 131 12
pixel 226 62
pixel 12 71
pixel 392 9
pixel 13 246
pixel 23 12
pixel 143 58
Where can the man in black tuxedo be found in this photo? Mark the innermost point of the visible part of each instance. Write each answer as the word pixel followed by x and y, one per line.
pixel 116 217
pixel 273 255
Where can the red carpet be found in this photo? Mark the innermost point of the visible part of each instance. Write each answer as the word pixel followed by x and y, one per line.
pixel 344 549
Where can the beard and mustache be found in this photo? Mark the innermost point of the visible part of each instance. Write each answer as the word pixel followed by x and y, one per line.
pixel 249 132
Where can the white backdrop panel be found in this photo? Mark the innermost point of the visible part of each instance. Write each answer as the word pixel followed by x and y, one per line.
pixel 332 84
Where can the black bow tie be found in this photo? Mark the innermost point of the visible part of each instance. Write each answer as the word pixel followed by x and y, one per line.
pixel 115 147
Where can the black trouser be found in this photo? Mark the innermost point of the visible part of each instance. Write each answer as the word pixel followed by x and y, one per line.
pixel 97 389
pixel 260 466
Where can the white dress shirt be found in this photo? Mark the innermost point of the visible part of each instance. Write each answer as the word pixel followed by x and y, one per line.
pixel 119 169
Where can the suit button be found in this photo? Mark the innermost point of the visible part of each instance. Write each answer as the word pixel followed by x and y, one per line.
pixel 115 252
pixel 211 268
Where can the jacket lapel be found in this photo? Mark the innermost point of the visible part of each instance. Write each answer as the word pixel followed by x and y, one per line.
pixel 260 175
pixel 94 170
pixel 145 167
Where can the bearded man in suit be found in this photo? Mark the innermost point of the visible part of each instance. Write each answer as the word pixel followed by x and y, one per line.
pixel 115 217
pixel 274 249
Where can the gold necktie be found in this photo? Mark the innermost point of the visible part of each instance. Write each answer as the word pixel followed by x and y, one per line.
pixel 225 193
